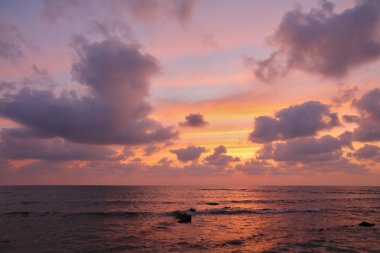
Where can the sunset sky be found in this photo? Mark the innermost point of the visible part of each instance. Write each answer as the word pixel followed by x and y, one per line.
pixel 190 92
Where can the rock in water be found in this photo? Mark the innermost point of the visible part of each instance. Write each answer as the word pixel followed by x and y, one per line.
pixel 184 218
pixel 366 224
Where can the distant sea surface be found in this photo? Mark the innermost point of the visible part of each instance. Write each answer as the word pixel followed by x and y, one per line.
pixel 227 219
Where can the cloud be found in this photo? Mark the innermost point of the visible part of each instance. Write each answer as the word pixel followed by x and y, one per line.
pixel 219 157
pixel 351 118
pixel 190 153
pixel 368 130
pixel 151 149
pixel 53 10
pixel 6 87
pixel 208 41
pixel 67 172
pixel 54 149
pixel 368 152
pixel 321 41
pixel 306 119
pixel 111 28
pixel 306 149
pixel 369 121
pixel 194 120
pixel 339 165
pixel 146 11
pixel 205 170
pixel 183 9
pixel 307 155
pixel 369 104
pixel 12 43
pixel 345 96
pixel 149 10
pixel 255 167
pixel 116 76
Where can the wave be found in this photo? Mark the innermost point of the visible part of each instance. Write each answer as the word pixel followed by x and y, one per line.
pixel 232 211
pixel 224 210
pixel 93 214
pixel 110 214
pixel 222 189
pixel 227 210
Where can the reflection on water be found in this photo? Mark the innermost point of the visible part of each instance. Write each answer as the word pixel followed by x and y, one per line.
pixel 138 219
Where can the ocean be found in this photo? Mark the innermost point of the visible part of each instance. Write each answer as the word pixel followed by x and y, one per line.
pixel 226 219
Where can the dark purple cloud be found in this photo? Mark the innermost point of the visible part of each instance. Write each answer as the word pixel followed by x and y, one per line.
pixel 369 121
pixel 205 170
pixel 5 87
pixel 190 153
pixel 12 42
pixel 53 10
pixel 255 167
pixel 183 9
pixel 306 149
pixel 351 118
pixel 109 29
pixel 319 157
pixel 54 149
pixel 368 130
pixel 67 172
pixel 151 149
pixel 369 104
pixel 215 165
pixel 149 10
pixel 146 11
pixel 324 42
pixel 219 157
pixel 114 110
pixel 341 164
pixel 345 96
pixel 306 119
pixel 346 139
pixel 307 155
pixel 368 152
pixel 194 120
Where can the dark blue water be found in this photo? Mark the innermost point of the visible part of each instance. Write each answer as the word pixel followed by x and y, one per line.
pixel 232 219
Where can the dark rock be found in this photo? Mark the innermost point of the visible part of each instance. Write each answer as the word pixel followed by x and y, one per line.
pixel 366 224
pixel 192 210
pixel 212 203
pixel 176 213
pixel 235 242
pixel 5 241
pixel 184 218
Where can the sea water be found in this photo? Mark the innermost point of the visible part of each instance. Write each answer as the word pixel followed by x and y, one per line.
pixel 227 219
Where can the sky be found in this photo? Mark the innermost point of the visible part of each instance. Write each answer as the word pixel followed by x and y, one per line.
pixel 190 92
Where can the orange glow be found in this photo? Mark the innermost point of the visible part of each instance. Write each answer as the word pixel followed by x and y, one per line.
pixel 18 164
